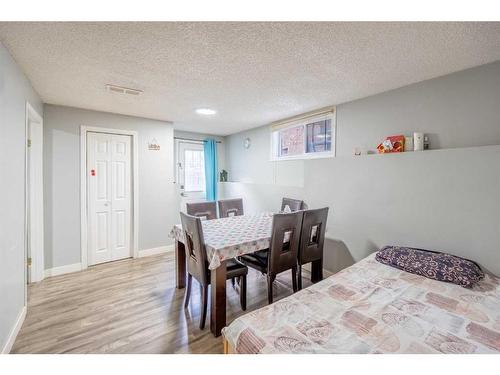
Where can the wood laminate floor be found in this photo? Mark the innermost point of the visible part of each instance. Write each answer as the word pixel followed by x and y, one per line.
pixel 128 306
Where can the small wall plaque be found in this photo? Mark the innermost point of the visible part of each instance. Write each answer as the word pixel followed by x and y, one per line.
pixel 153 145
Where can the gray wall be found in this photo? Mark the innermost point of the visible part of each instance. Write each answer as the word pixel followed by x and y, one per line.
pixel 457 110
pixel 62 180
pixel 253 165
pixel 15 90
pixel 440 199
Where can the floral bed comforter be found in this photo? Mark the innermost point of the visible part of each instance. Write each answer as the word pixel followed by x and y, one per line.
pixel 373 308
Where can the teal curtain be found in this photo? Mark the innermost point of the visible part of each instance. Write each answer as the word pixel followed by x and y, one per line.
pixel 210 151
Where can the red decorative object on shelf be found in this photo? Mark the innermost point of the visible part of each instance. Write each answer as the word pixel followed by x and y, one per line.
pixel 393 143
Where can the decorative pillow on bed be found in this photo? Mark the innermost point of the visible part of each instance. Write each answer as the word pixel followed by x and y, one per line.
pixel 432 264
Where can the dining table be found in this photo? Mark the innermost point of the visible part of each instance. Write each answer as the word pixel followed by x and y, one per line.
pixel 225 239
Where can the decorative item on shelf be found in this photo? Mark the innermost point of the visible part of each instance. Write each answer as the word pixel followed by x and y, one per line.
pixel 418 141
pixel 393 143
pixel 223 176
pixel 427 143
pixel 357 151
pixel 408 143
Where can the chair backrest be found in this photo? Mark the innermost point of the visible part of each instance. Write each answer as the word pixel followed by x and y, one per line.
pixel 230 207
pixel 294 204
pixel 285 238
pixel 194 244
pixel 312 235
pixel 203 210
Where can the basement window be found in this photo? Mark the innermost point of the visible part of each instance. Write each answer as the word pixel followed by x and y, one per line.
pixel 304 137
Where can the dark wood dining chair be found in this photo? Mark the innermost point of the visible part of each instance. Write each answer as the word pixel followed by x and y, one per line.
pixel 230 207
pixel 203 210
pixel 312 239
pixel 294 204
pixel 197 265
pixel 282 253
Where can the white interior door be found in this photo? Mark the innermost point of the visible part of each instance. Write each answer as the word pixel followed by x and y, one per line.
pixel 109 197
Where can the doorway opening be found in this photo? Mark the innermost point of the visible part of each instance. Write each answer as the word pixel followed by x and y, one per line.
pixel 34 197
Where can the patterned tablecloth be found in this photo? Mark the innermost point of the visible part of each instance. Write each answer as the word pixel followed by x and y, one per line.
pixel 230 237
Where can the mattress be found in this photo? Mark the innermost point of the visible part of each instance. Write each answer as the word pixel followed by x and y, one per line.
pixel 374 308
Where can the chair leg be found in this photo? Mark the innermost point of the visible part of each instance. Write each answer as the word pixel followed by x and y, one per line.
pixel 270 280
pixel 317 270
pixel 243 292
pixel 204 305
pixel 294 279
pixel 188 290
pixel 299 277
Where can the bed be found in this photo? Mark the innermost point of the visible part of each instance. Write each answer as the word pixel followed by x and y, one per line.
pixel 374 308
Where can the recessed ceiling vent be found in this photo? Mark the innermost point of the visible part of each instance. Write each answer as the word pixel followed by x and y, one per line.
pixel 123 90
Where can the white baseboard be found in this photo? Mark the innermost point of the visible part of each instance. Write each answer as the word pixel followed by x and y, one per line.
pixel 78 266
pixel 63 269
pixel 156 250
pixel 15 330
pixel 326 273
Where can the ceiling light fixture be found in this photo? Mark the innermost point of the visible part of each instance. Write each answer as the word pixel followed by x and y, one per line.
pixel 206 111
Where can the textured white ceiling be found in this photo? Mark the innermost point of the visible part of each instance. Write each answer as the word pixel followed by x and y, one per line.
pixel 251 73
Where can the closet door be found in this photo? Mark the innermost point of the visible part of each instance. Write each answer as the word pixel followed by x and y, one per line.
pixel 109 197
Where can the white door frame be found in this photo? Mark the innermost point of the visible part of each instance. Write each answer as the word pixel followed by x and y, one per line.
pixel 33 206
pixel 83 188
